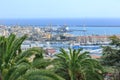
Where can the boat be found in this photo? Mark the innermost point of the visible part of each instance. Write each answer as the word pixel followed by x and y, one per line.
pixel 92 47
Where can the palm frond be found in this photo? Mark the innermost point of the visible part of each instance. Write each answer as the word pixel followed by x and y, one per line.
pixel 42 73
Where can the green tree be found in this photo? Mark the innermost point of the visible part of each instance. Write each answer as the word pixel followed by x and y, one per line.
pixel 16 64
pixel 111 55
pixel 74 65
pixel 9 48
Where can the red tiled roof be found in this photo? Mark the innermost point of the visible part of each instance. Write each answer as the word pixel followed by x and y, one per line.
pixel 95 56
pixel 51 51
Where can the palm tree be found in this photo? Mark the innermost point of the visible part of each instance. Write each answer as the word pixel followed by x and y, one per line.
pixel 16 64
pixel 9 47
pixel 77 66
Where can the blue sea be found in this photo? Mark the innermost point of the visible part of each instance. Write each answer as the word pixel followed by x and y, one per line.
pixel 86 21
pixel 109 26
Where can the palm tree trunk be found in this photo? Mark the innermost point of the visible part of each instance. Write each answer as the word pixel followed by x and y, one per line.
pixel 72 75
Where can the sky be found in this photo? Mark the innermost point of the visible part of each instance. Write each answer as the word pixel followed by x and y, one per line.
pixel 59 9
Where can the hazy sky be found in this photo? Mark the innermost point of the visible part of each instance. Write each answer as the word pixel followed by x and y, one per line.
pixel 59 9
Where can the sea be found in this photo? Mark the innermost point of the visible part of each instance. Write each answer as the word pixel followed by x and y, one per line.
pixel 98 26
